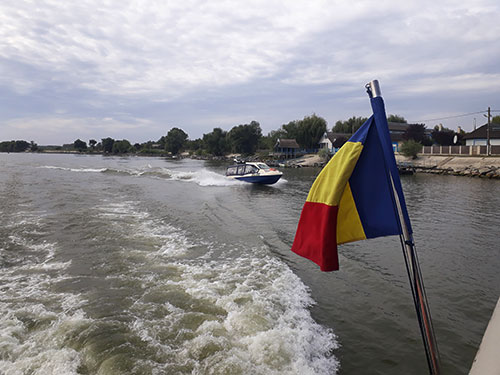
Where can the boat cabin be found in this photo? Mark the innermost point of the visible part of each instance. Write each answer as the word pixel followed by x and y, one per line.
pixel 242 169
pixel 257 173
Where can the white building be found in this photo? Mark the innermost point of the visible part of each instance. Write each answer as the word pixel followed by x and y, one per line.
pixel 332 141
pixel 479 136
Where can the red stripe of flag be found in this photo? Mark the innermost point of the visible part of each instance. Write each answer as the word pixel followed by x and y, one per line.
pixel 316 236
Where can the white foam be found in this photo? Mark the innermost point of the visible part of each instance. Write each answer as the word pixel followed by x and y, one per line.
pixel 256 319
pixel 124 209
pixel 281 181
pixel 253 311
pixel 30 332
pixel 204 177
pixel 35 319
pixel 35 352
pixel 167 239
pixel 245 312
pixel 84 170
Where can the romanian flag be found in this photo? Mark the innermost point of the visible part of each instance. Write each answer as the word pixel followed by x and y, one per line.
pixel 354 196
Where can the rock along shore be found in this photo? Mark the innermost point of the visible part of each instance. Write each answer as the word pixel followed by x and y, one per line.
pixel 478 166
pixel 471 166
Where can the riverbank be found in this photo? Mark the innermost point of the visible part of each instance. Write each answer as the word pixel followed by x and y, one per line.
pixel 487 166
pixel 471 166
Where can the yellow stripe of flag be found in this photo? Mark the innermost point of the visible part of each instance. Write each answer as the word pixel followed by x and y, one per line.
pixel 330 183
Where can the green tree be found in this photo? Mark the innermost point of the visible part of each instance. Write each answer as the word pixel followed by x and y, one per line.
pixel 162 141
pixel 495 120
pixel 396 118
pixel 339 142
pixel 291 130
pixel 267 142
pixel 21 146
pixel 121 147
pixel 194 144
pixel 107 145
pixel 79 145
pixel 33 146
pixel 324 154
pixel 244 139
pixel 349 126
pixel 411 148
pixel 92 143
pixel 307 132
pixel 311 129
pixel 416 132
pixel 175 140
pixel 443 136
pixel 215 143
pixel 14 146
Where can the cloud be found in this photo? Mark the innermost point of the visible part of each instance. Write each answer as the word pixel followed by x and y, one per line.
pixel 199 64
pixel 58 129
pixel 153 47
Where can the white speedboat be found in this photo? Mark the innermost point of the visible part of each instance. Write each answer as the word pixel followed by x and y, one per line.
pixel 256 173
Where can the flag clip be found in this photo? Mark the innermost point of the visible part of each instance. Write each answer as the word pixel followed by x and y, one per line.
pixel 373 89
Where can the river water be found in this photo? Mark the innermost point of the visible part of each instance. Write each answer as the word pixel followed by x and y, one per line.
pixel 135 265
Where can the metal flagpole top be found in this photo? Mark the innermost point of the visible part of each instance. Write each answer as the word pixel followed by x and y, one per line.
pixel 373 89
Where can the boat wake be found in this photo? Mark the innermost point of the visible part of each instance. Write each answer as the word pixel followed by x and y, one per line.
pixel 119 282
pixel 214 307
pixel 35 315
pixel 202 177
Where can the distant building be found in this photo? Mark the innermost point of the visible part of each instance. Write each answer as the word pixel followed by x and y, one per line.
pixel 479 136
pixel 286 148
pixel 397 131
pixel 333 141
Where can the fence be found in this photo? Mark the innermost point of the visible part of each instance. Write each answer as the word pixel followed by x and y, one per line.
pixel 460 150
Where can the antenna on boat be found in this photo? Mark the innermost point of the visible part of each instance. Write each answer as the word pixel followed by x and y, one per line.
pixel 413 268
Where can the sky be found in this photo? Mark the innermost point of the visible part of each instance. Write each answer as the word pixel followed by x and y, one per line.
pixel 135 69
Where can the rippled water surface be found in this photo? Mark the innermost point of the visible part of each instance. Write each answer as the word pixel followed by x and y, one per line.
pixel 150 266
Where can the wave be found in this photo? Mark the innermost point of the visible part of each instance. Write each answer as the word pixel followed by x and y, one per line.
pixel 84 170
pixel 235 316
pixel 217 308
pixel 34 315
pixel 205 177
pixel 202 177
pixel 175 303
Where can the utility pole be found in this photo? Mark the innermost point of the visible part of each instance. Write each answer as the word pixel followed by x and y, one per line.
pixel 488 147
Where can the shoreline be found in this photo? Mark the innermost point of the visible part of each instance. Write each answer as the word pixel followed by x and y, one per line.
pixel 469 166
pixel 456 165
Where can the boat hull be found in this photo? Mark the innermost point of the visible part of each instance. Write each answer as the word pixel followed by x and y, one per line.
pixel 265 180
pixel 254 173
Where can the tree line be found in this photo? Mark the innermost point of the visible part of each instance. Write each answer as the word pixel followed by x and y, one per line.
pixel 18 146
pixel 245 139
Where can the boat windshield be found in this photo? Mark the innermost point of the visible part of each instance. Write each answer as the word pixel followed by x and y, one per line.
pixel 263 166
pixel 251 169
pixel 231 170
pixel 241 169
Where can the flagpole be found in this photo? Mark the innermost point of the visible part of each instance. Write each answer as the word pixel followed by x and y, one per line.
pixel 413 269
